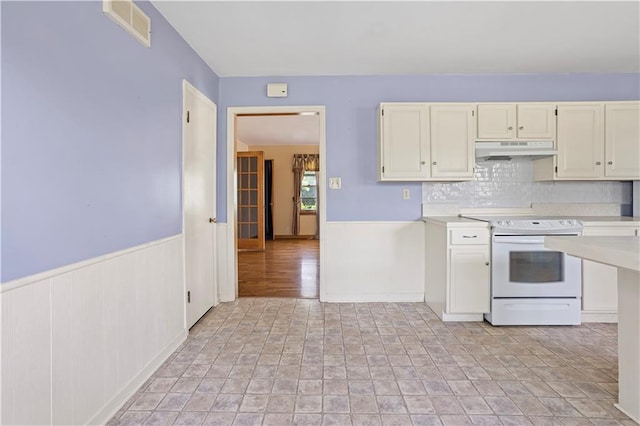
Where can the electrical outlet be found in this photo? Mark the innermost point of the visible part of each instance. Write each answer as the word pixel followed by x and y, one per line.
pixel 406 194
pixel 335 183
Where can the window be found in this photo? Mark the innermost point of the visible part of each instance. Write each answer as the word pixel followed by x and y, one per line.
pixel 309 193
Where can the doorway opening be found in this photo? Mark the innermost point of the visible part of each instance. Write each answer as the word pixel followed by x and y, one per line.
pixel 266 204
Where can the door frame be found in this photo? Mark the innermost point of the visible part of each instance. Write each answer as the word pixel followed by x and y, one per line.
pixel 186 86
pixel 229 287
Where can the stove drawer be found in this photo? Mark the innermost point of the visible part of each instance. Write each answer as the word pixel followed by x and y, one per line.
pixel 469 236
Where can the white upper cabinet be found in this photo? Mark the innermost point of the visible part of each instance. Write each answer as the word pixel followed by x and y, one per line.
pixel 496 121
pixel 421 142
pixel 452 141
pixel 404 142
pixel 524 121
pixel 580 141
pixel 536 121
pixel 622 140
pixel 596 141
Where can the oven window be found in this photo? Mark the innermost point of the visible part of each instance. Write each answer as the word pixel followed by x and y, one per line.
pixel 536 266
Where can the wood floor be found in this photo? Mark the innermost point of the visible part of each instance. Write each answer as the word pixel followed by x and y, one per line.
pixel 287 268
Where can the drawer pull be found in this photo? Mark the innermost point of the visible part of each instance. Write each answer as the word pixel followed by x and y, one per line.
pixel 469 236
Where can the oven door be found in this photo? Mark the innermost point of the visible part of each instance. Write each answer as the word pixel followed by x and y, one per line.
pixel 523 267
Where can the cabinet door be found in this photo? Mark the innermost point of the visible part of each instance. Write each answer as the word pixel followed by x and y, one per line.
pixel 452 139
pixel 536 121
pixel 622 140
pixel 496 121
pixel 405 142
pixel 469 288
pixel 580 141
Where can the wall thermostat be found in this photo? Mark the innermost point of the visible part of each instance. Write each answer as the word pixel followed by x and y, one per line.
pixel 277 90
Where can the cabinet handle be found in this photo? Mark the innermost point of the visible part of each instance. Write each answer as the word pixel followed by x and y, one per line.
pixel 486 263
pixel 423 162
pixel 510 127
pixel 598 163
pixel 469 236
pixel 434 163
pixel 521 127
pixel 609 162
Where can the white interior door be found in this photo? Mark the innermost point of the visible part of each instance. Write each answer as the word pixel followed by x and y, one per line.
pixel 199 203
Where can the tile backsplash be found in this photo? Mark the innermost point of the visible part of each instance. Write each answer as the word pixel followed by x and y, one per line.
pixel 510 184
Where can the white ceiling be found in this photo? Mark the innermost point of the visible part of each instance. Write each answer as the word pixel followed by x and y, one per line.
pixel 266 38
pixel 286 38
pixel 278 130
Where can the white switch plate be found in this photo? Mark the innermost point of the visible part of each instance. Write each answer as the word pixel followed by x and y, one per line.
pixel 335 183
pixel 406 194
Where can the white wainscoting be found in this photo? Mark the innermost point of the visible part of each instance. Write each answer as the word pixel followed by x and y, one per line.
pixel 226 263
pixel 374 261
pixel 78 341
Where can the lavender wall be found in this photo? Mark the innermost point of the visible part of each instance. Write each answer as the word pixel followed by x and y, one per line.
pixel 351 123
pixel 91 133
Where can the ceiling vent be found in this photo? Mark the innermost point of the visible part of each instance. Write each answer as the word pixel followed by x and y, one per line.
pixel 130 17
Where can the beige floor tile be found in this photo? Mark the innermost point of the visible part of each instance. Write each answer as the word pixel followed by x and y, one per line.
pixel 298 361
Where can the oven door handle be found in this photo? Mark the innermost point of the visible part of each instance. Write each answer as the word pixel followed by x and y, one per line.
pixel 520 242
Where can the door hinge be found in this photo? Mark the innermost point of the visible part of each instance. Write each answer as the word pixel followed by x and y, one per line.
pixel 473 113
pixel 382 112
pixel 382 169
pixel 188 297
pixel 556 169
pixel 187 116
pixel 556 111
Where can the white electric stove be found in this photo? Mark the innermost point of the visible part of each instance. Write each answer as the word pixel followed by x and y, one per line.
pixel 530 284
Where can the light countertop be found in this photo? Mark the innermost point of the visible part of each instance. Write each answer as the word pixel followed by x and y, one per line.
pixel 455 221
pixel 607 220
pixel 586 220
pixel 623 252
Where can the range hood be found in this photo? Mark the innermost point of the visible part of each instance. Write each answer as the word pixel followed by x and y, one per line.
pixel 505 150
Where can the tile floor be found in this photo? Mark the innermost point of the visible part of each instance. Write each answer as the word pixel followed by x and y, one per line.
pixel 299 361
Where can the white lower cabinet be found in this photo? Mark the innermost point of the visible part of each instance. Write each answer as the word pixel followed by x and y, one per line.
pixel 457 275
pixel 468 291
pixel 599 281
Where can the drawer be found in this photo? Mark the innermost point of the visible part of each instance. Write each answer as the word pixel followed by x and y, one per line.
pixel 469 236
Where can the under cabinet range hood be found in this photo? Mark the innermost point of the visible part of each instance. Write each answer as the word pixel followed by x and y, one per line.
pixel 506 150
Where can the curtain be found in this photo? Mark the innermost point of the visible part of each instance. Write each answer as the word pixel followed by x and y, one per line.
pixel 298 174
pixel 302 163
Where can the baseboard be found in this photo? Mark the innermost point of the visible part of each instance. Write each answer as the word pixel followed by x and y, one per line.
pixel 374 297
pixel 114 405
pixel 462 317
pixel 294 237
pixel 605 317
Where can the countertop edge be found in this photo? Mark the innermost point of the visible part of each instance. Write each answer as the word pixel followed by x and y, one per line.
pixel 622 252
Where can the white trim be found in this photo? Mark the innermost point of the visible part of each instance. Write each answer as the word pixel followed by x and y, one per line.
pixel 596 316
pixel 31 279
pixel 118 400
pixel 375 222
pixel 375 297
pixel 230 290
